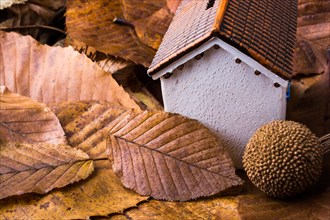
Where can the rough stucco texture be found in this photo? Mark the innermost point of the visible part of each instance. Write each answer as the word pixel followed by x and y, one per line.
pixel 225 96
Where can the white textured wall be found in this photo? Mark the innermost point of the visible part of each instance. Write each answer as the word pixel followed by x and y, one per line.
pixel 227 97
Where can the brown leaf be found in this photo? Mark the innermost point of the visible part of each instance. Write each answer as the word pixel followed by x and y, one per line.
pixel 28 19
pixel 313 109
pixel 54 5
pixel 214 208
pixel 85 24
pixel 253 204
pixel 100 195
pixel 39 167
pixel 54 74
pixel 25 120
pixel 169 156
pixel 313 34
pixel 152 29
pixel 115 65
pixel 260 207
pixel 86 124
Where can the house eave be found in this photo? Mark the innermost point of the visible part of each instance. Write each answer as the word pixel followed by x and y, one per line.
pixel 234 51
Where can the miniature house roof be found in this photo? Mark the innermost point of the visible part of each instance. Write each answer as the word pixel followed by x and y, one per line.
pixel 265 30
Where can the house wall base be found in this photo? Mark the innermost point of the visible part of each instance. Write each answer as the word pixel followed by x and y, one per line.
pixel 227 97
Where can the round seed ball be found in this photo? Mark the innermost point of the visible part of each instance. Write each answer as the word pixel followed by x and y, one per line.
pixel 283 158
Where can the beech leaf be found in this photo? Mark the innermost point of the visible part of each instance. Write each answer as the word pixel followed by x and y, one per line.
pixel 101 194
pixel 39 167
pixel 168 156
pixel 54 74
pixel 213 208
pixel 86 124
pixel 25 120
pixel 147 22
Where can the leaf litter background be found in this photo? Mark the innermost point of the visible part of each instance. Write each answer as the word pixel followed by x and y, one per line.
pixel 102 194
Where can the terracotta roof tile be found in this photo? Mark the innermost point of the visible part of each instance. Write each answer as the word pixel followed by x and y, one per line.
pixel 263 29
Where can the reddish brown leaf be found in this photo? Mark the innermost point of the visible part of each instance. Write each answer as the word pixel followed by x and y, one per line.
pixel 25 120
pixel 168 156
pixel 54 74
pixel 313 109
pixel 313 36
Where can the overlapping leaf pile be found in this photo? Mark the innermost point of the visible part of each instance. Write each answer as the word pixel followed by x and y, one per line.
pixel 166 156
pixel 188 159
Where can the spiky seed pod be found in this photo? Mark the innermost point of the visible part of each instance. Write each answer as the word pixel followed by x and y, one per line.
pixel 283 158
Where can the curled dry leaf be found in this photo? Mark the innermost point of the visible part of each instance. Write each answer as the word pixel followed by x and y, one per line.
pixel 25 120
pixel 32 19
pixel 85 24
pixel 54 74
pixel 101 194
pixel 86 124
pixel 115 65
pixel 313 108
pixel 39 167
pixel 168 156
pixel 313 36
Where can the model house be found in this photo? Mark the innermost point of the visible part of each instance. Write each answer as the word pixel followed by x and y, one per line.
pixel 227 63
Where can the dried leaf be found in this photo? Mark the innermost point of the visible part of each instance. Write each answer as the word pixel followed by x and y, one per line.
pixel 145 99
pixel 34 20
pixel 215 208
pixel 85 24
pixel 114 65
pixel 260 207
pixel 54 5
pixel 152 29
pixel 7 3
pixel 54 74
pixel 313 35
pixel 86 124
pixel 313 109
pixel 25 120
pixel 254 204
pixel 168 156
pixel 40 168
pixel 100 195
